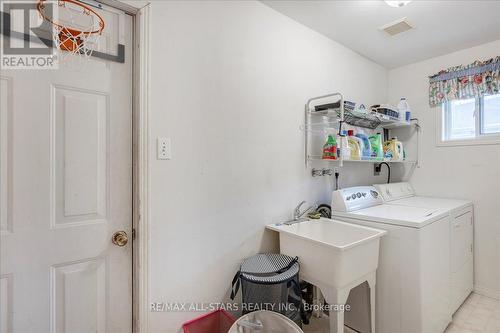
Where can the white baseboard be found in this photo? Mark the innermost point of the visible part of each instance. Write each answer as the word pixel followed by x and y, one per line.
pixel 487 292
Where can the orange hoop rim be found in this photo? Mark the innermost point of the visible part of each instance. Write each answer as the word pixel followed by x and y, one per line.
pixel 86 9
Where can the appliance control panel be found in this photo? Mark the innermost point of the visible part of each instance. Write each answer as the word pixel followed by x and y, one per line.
pixel 353 198
pixel 395 191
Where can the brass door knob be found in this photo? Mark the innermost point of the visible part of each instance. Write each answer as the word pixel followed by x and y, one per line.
pixel 120 238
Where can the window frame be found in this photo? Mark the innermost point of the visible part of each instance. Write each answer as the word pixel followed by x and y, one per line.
pixel 480 138
pixel 481 119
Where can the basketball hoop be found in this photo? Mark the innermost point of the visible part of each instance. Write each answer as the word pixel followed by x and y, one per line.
pixel 77 27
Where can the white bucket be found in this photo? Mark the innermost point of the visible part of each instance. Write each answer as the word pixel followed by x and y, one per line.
pixel 264 322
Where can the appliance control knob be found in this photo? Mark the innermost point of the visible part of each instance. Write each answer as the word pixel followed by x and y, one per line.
pixel 353 196
pixel 359 194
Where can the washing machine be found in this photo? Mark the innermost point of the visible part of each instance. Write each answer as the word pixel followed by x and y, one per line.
pixel 413 277
pixel 461 233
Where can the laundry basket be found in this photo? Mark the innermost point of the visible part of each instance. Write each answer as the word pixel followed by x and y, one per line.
pixel 218 321
pixel 265 322
pixel 270 282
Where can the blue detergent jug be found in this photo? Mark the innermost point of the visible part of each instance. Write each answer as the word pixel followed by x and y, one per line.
pixel 366 150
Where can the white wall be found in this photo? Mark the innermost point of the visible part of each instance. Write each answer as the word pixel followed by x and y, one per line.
pixel 228 84
pixel 471 172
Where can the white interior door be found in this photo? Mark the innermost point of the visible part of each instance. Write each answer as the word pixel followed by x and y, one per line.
pixel 66 188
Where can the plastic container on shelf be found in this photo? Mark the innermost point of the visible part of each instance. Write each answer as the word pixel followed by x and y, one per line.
pixel 403 108
pixel 354 146
pixel 344 151
pixel 366 149
pixel 218 321
pixel 393 149
pixel 330 148
pixel 377 147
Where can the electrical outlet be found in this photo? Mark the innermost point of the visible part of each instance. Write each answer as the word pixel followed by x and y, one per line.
pixel 163 148
pixel 376 169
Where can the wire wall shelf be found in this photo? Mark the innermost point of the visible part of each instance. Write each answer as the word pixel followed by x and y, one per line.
pixel 364 160
pixel 321 122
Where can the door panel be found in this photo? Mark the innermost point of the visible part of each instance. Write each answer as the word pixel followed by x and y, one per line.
pixel 66 187
pixel 5 156
pixel 80 137
pixel 6 303
pixel 79 297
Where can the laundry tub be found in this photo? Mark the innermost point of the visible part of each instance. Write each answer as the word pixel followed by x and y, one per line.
pixel 264 321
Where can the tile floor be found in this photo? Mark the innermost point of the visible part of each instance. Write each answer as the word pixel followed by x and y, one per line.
pixel 478 314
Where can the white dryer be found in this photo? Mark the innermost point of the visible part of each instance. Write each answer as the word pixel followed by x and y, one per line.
pixel 461 233
pixel 413 277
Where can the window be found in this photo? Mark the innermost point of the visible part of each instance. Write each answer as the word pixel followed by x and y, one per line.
pixel 490 119
pixel 471 119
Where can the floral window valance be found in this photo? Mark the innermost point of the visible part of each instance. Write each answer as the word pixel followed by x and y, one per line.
pixel 475 80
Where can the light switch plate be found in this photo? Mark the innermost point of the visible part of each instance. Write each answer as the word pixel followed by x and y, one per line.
pixel 163 148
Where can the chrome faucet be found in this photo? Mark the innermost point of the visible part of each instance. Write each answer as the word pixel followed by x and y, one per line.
pixel 297 214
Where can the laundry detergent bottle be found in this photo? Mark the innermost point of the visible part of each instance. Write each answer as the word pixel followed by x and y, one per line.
pixel 366 149
pixel 345 151
pixel 377 147
pixel 354 146
pixel 330 148
pixel 393 149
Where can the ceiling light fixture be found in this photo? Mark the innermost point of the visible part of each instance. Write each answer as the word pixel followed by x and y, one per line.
pixel 397 3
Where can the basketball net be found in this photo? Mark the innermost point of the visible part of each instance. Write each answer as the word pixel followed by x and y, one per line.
pixel 76 28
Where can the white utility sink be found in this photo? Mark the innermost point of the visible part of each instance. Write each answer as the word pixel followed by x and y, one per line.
pixel 334 256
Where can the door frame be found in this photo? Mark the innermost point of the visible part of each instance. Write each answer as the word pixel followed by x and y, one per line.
pixel 141 208
pixel 140 11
